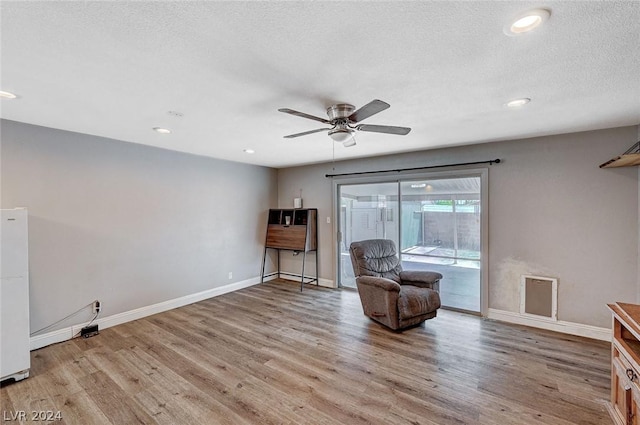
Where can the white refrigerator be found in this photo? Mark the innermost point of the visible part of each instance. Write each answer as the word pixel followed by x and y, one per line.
pixel 14 295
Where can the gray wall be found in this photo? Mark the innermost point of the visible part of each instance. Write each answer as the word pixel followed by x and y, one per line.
pixel 552 212
pixel 133 225
pixel 129 224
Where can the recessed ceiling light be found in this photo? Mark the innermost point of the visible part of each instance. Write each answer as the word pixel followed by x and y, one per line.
pixel 162 130
pixel 527 21
pixel 249 151
pixel 516 103
pixel 7 95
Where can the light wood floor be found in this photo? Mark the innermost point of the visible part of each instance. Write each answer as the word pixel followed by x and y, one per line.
pixel 272 355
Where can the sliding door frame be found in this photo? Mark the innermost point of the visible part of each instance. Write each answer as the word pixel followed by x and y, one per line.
pixel 397 177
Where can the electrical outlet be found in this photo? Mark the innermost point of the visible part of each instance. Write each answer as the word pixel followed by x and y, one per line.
pixel 328 220
pixel 230 275
pixel 89 331
pixel 95 307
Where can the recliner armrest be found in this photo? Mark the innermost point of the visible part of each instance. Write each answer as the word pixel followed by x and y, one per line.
pixel 419 277
pixel 379 282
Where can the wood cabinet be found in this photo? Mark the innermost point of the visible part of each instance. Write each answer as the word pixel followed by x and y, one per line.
pixel 292 230
pixel 625 364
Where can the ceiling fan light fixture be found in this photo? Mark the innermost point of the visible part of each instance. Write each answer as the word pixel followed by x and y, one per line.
pixel 341 135
pixel 349 142
pixel 527 21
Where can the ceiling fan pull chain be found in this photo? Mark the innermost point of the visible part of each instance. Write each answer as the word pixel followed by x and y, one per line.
pixel 333 157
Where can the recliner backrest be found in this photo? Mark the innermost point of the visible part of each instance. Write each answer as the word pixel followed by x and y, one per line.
pixel 375 257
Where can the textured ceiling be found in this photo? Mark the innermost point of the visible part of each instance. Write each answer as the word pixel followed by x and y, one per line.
pixel 115 69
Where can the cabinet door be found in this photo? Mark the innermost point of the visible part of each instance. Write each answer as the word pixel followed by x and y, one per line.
pixel 632 406
pixel 625 392
pixel 286 237
pixel 620 390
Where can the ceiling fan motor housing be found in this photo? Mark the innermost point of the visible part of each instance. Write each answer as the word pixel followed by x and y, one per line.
pixel 340 111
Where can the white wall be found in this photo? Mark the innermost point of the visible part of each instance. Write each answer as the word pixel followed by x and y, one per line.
pixel 129 224
pixel 552 212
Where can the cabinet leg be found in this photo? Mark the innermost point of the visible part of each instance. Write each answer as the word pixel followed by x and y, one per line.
pixel 264 260
pixel 304 261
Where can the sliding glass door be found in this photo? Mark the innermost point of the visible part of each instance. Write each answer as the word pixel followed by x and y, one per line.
pixel 441 230
pixel 367 211
pixel 435 221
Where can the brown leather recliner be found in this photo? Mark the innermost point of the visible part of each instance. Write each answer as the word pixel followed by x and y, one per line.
pixel 396 298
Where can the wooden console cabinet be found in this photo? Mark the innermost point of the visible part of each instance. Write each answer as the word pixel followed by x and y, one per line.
pixel 292 230
pixel 625 364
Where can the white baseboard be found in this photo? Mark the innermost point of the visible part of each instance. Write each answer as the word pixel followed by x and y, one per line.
pixel 65 334
pixel 588 331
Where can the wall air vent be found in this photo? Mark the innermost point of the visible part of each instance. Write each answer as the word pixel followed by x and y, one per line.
pixel 539 297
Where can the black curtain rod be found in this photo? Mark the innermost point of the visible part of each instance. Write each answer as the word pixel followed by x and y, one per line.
pixel 490 162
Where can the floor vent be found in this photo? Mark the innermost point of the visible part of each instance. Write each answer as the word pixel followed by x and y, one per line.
pixel 539 297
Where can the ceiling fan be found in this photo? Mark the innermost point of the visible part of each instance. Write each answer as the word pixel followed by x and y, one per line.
pixel 343 118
